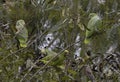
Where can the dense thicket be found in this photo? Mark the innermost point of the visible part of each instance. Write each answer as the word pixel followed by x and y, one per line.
pixel 55 50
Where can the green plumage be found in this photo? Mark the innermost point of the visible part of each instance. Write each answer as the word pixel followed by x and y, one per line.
pixel 94 26
pixel 56 62
pixel 22 33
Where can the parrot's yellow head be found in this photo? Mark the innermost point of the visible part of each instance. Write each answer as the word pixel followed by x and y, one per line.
pixel 20 24
pixel 92 15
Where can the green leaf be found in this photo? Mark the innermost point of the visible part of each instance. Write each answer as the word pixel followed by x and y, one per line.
pixel 0 70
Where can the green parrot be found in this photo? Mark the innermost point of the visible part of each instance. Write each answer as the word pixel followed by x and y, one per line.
pixel 22 33
pixel 94 26
pixel 58 61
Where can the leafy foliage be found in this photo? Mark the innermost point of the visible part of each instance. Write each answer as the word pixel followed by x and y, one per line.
pixel 54 26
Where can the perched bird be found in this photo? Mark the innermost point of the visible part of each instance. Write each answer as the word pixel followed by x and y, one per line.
pixel 96 37
pixel 22 33
pixel 94 26
pixel 57 61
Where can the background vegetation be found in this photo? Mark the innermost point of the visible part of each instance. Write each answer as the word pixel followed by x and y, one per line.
pixel 58 27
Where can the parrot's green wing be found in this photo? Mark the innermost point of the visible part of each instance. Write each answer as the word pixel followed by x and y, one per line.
pixel 94 26
pixel 61 58
pixel 58 61
pixel 50 54
pixel 22 33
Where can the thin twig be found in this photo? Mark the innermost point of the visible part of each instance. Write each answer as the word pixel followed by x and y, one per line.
pixel 12 54
pixel 53 58
pixel 23 48
pixel 29 70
